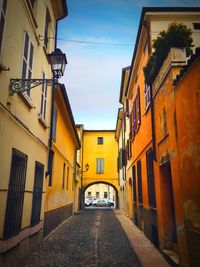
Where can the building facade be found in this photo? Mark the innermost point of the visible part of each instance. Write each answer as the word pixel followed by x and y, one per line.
pixel 60 187
pixel 100 152
pixel 143 172
pixel 25 118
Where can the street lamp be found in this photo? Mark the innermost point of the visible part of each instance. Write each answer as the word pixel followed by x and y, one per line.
pixel 87 166
pixel 57 60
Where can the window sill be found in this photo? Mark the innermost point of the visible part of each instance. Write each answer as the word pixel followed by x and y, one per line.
pixel 42 121
pixel 27 100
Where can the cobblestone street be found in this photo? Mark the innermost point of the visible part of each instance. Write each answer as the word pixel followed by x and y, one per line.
pixel 90 238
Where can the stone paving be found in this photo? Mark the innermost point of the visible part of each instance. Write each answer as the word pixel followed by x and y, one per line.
pixel 90 238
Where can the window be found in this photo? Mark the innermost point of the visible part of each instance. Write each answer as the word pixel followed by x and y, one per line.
pixel 55 115
pixel 105 194
pixel 134 184
pixel 63 179
pixel 3 5
pixel 46 31
pixel 147 92
pixel 196 26
pixel 139 179
pixel 43 99
pixel 15 200
pixel 100 165
pixel 27 59
pixel 150 177
pixel 37 193
pixel 89 194
pixel 50 167
pixel 67 182
pixel 100 140
pixel 97 194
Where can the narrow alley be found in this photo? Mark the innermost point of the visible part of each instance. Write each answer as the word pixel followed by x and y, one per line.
pixel 89 238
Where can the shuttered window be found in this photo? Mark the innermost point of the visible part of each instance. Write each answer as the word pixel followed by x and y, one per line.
pixel 139 179
pixel 147 92
pixel 63 177
pixel 50 167
pixel 138 108
pixel 46 31
pixel 3 5
pixel 67 182
pixel 37 193
pixel 134 184
pixel 27 64
pixel 55 115
pixel 150 177
pixel 99 165
pixel 15 199
pixel 43 103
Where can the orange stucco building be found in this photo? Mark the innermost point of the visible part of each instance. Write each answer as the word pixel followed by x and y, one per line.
pixel 162 145
pixel 177 141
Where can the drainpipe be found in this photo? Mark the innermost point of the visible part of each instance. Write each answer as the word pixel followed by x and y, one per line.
pixel 82 195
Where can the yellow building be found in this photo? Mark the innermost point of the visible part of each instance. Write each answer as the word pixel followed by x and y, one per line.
pixel 78 178
pixel 25 118
pixel 100 152
pixel 60 186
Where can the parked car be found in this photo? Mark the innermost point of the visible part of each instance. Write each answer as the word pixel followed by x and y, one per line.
pixel 89 201
pixel 102 203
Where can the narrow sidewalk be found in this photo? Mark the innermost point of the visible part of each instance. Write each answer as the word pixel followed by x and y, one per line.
pixel 148 255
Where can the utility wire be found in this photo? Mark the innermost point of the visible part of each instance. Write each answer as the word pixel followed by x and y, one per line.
pixel 85 42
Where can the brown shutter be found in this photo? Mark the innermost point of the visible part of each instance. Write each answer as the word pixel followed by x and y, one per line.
pixel 138 107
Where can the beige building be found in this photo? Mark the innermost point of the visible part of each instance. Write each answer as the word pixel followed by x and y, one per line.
pixel 99 191
pixel 25 118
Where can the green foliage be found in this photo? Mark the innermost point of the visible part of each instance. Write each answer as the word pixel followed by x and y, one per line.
pixel 177 35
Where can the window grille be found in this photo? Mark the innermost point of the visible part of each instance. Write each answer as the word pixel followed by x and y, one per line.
pixel 150 177
pixel 15 197
pixel 37 193
pixel 147 92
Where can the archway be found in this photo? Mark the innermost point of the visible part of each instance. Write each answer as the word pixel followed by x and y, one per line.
pixel 105 183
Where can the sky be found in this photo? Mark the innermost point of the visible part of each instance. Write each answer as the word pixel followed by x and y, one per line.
pixel 93 74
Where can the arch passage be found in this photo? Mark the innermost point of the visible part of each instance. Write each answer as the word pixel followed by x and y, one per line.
pixel 102 182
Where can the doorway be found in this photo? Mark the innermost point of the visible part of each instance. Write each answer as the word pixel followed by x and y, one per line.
pixel 168 208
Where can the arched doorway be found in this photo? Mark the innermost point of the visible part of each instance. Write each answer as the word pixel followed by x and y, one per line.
pixel 130 198
pixel 116 198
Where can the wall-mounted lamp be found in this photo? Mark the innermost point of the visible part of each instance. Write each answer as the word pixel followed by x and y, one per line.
pixel 57 60
pixel 87 166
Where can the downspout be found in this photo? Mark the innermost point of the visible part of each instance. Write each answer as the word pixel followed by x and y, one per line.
pixel 153 124
pixel 52 105
pixel 82 195
pixel 74 176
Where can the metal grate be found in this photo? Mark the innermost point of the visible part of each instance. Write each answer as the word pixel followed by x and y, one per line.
pixel 37 193
pixel 15 198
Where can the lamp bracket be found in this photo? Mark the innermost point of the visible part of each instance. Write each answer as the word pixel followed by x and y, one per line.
pixel 23 85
